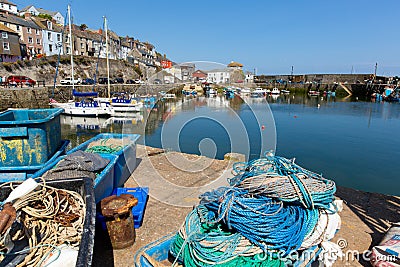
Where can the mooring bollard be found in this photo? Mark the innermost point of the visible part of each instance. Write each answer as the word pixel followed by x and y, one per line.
pixel 117 211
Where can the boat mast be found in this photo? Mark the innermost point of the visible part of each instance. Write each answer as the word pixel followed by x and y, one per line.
pixel 70 45
pixel 108 66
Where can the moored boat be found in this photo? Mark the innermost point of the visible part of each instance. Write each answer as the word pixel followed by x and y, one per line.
pixel 275 91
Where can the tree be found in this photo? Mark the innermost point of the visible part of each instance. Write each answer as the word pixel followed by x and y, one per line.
pixel 83 27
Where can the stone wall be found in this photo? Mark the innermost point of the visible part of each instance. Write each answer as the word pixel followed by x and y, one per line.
pixel 23 98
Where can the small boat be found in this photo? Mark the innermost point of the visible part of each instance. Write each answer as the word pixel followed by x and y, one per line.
pixel 313 93
pixel 229 93
pixel 211 92
pixel 245 91
pixel 169 96
pixel 122 103
pixel 284 91
pixel 84 105
pixel 275 91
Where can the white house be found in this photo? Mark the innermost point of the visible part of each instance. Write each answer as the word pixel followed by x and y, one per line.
pixel 51 36
pixel 36 11
pixel 8 7
pixel 249 78
pixel 219 76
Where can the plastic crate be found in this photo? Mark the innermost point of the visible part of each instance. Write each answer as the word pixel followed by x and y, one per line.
pixel 83 186
pixel 20 173
pixel 141 193
pixel 104 182
pixel 29 136
pixel 126 162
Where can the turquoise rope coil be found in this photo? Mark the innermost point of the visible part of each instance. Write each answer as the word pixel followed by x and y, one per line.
pixel 199 243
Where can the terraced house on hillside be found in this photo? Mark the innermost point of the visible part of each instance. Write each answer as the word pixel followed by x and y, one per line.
pixel 43 33
pixel 29 33
pixel 10 50
pixel 51 36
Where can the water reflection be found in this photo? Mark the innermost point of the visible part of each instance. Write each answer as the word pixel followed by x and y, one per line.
pixel 353 142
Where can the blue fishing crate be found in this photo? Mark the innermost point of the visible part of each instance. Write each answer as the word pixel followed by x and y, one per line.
pixel 126 162
pixel 29 136
pixel 104 182
pixel 21 173
pixel 141 193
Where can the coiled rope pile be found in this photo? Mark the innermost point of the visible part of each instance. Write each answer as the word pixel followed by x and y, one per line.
pixel 48 217
pixel 107 145
pixel 272 208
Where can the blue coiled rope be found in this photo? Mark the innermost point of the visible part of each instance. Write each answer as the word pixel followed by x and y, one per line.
pixel 268 223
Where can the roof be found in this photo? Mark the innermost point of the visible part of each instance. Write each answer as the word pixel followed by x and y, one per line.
pixel 44 11
pixel 42 23
pixel 7 2
pixel 18 20
pixel 25 8
pixel 235 64
pixel 6 29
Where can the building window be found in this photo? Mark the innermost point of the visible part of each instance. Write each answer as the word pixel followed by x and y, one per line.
pixel 49 36
pixel 30 40
pixel 49 25
pixel 2 5
pixel 5 23
pixel 18 28
pixel 82 45
pixel 38 41
pixel 58 37
pixel 4 35
pixel 39 51
pixel 37 32
pixel 50 48
pixel 29 30
pixel 6 46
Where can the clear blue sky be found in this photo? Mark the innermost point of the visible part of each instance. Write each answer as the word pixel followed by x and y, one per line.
pixel 270 36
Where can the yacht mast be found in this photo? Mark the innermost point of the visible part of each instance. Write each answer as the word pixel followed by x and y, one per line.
pixel 70 45
pixel 108 66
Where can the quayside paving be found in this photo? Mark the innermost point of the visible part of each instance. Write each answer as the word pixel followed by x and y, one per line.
pixel 365 217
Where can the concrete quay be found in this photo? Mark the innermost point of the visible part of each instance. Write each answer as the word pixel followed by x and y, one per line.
pixel 365 217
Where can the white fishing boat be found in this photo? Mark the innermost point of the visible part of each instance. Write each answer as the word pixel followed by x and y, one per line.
pixel 122 104
pixel 275 91
pixel 169 96
pixel 83 103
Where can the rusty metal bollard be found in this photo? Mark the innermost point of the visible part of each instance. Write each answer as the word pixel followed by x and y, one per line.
pixel 117 211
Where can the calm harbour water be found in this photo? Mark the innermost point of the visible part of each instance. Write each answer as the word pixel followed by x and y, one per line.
pixel 354 143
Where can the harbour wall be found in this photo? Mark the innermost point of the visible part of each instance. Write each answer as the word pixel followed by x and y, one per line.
pixel 38 97
pixel 23 98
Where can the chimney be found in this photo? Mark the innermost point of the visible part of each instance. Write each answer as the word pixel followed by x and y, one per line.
pixel 27 15
pixel 100 31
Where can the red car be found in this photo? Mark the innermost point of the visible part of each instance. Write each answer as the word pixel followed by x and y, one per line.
pixel 14 79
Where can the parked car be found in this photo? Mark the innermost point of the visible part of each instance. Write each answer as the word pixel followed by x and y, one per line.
pixel 157 81
pixel 68 80
pixel 17 80
pixel 104 80
pixel 88 81
pixel 130 81
pixel 119 80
